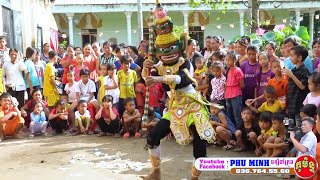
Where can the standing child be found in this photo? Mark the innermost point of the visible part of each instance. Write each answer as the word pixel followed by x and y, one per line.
pixel 297 83
pixel 127 79
pixel 111 84
pixel 201 77
pixel 224 127
pixel 131 116
pixel 265 125
pixel 58 118
pixel 233 94
pixel 79 66
pixel 271 49
pixel 314 86
pixel 82 120
pixel 249 69
pixel 101 87
pixel 108 118
pixel 218 83
pixel 50 90
pixel 38 120
pixel 247 132
pixel 39 67
pixel 70 89
pixel 140 89
pixel 263 76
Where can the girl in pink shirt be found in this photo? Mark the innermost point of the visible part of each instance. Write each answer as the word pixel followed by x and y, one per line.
pixel 78 67
pixel 234 84
pixel 314 86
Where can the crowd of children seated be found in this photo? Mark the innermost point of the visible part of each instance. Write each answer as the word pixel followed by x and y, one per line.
pixel 250 94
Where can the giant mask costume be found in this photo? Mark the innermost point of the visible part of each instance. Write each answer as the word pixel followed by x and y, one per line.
pixel 187 113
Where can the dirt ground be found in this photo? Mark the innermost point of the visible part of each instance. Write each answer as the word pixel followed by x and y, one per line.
pixel 84 157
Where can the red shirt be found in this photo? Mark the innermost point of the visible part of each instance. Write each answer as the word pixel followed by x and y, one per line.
pixel 156 92
pixel 54 111
pixel 104 115
pixel 29 104
pixel 140 96
pixel 72 62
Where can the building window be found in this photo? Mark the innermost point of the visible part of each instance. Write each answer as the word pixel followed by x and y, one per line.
pixel 196 33
pixel 8 25
pixel 89 36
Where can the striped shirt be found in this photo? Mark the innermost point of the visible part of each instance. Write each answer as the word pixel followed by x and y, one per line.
pixel 110 60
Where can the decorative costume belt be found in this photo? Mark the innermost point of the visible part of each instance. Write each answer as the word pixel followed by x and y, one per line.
pixel 186 109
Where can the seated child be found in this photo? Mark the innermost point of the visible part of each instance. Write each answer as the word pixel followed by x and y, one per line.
pixel 247 132
pixel 131 116
pixel 271 105
pixel 223 125
pixel 265 125
pixel 108 118
pixel 38 120
pixel 11 121
pixel 310 110
pixel 152 119
pixel 82 120
pixel 28 107
pixel 276 146
pixel 58 118
pixel 201 77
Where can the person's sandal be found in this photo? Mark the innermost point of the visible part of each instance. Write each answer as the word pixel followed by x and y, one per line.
pixel 101 134
pixel 137 135
pixel 90 132
pixel 228 147
pixel 126 135
pixel 239 149
pixel 117 135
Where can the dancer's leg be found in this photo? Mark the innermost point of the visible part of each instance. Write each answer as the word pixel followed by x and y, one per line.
pixel 199 150
pixel 161 129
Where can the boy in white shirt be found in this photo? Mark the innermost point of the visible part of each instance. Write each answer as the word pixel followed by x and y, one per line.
pixel 307 144
pixel 82 119
pixel 71 88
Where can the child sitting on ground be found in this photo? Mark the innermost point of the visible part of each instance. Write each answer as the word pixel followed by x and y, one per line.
pixel 108 118
pixel 131 116
pixel 82 120
pixel 275 146
pixel 273 105
pixel 223 125
pixel 58 118
pixel 201 77
pixel 247 132
pixel 265 125
pixel 152 119
pixel 11 121
pixel 38 120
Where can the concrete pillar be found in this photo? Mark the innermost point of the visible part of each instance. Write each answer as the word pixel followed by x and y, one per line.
pixel 70 24
pixel 241 15
pixel 298 17
pixel 185 20
pixel 128 16
pixel 311 25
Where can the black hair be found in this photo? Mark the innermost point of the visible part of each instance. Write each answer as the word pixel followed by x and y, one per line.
pixel 87 44
pixel 309 109
pixel 110 67
pixel 13 49
pixel 318 112
pixel 294 40
pixel 34 103
pixel 315 78
pixel 3 38
pixel 105 65
pixel 45 44
pixel 117 49
pixel 52 54
pixel 125 59
pixel 253 48
pixel 134 49
pixel 217 65
pixel 270 90
pixel 218 54
pixel 247 109
pixel 232 55
pixel 37 51
pixel 218 39
pixel 64 94
pixel 200 58
pixel 106 43
pixel 29 52
pixel 272 44
pixel 300 51
pixel 209 37
pixel 278 116
pixel 151 111
pixel 35 90
pixel 84 72
pixel 82 102
pixel 126 101
pixel 61 102
pixel 265 116
pixel 107 98
pixel 244 41
pixel 5 95
pixel 77 48
pixel 316 41
pixel 113 46
pixel 190 41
